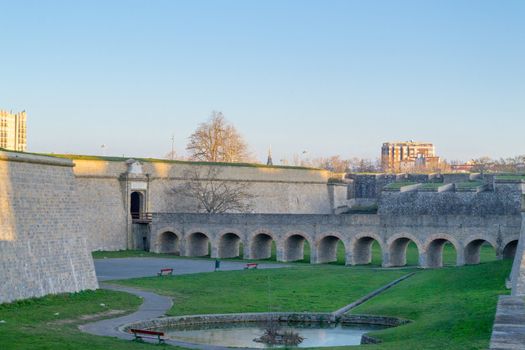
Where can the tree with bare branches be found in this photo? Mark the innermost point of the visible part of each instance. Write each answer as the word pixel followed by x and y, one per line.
pixel 213 194
pixel 217 141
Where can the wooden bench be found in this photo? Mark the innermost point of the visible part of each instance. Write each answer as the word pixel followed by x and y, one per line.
pixel 165 272
pixel 251 266
pixel 144 333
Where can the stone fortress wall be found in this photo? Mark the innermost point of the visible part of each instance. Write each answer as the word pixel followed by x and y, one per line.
pixel 104 188
pixel 466 211
pixel 43 247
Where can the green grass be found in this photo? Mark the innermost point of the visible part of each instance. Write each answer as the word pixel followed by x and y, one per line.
pixel 451 308
pixel 468 185
pixel 431 186
pixel 301 288
pixel 33 324
pixel 511 177
pixel 396 186
pixel 156 160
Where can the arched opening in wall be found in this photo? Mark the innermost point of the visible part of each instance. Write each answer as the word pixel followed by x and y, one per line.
pixel 296 248
pixel 403 252
pixel 198 244
pixel 440 253
pixel 263 247
pixel 229 246
pixel 331 250
pixel 510 250
pixel 479 250
pixel 135 205
pixel 169 243
pixel 367 250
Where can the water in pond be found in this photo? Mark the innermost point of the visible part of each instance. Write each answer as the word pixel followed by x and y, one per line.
pixel 243 334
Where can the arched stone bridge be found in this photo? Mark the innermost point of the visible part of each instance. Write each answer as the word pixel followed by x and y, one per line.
pixel 196 234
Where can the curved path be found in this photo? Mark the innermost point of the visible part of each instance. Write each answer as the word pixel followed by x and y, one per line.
pixel 153 306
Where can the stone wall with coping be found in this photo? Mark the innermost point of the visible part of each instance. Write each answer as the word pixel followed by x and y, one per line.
pixel 104 188
pixel 43 247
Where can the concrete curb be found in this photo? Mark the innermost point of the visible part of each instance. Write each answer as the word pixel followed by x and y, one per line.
pixel 345 309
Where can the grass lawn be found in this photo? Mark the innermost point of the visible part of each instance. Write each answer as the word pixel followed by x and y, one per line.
pixel 302 288
pixel 35 324
pixel 452 308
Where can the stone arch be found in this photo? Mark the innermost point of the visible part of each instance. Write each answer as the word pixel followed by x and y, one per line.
pixel 473 247
pixel 229 244
pixel 261 244
pixel 361 247
pixel 294 245
pixel 397 248
pixel 326 247
pixel 434 249
pixel 509 249
pixel 168 241
pixel 197 244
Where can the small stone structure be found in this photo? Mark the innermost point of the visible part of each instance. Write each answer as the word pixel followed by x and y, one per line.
pixel 43 246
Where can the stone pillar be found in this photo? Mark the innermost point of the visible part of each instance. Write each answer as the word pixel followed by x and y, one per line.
pixel 314 259
pixel 460 256
pixel 423 258
pixel 348 256
pixel 214 253
pixel 279 253
pixel 385 258
pixel 246 249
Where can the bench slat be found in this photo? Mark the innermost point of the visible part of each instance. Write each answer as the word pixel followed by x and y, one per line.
pixel 148 332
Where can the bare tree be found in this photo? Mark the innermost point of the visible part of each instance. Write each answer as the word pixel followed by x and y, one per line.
pixel 215 195
pixel 217 141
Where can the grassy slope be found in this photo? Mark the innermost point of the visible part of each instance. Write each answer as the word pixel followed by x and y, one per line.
pixel 32 324
pixel 313 288
pixel 452 308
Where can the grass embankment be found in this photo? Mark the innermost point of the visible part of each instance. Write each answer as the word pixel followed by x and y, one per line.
pixel 52 322
pixel 312 288
pixel 451 308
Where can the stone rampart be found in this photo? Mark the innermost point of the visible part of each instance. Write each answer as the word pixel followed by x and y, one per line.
pixel 42 238
pixel 104 188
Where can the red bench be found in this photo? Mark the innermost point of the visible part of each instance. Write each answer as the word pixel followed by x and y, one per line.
pixel 251 266
pixel 165 272
pixel 144 333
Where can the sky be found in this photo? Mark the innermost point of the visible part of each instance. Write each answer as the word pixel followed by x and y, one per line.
pixel 327 77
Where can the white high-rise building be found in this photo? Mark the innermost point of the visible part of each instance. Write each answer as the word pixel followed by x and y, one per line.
pixel 13 131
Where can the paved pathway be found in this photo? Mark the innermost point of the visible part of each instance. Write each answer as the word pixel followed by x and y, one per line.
pixel 124 268
pixel 509 326
pixel 153 306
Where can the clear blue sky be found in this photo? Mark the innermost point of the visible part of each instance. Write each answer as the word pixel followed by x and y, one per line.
pixel 331 77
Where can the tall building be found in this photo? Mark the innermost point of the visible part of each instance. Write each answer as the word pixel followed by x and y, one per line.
pixel 402 156
pixel 13 131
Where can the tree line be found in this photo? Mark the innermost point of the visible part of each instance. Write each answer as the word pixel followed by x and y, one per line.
pixel 217 140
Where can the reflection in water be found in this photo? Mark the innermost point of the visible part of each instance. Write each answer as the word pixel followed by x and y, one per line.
pixel 242 334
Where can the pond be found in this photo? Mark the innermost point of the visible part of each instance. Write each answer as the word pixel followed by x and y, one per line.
pixel 238 334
